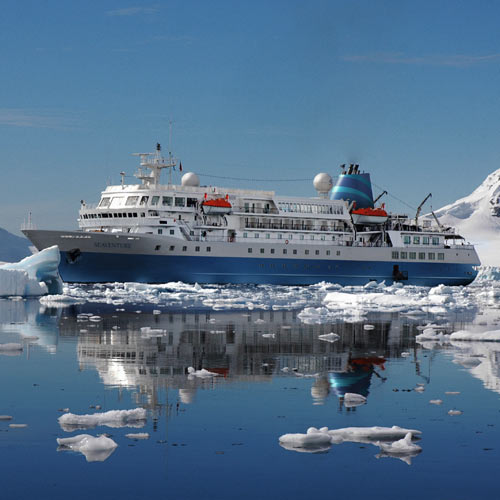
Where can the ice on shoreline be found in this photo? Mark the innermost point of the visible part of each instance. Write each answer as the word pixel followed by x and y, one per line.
pixel 32 276
pixel 112 418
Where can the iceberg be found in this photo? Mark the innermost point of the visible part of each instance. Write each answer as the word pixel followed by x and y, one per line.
pixel 33 276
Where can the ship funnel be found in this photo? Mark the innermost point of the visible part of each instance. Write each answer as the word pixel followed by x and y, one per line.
pixel 354 186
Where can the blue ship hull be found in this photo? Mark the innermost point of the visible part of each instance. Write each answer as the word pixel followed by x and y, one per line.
pixel 92 267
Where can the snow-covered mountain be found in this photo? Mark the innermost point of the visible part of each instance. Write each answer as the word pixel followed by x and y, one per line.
pixel 477 218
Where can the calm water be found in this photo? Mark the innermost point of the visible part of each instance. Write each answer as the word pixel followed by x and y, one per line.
pixel 218 438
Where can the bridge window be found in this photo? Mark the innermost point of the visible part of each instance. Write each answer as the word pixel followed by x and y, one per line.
pixel 406 239
pixel 180 202
pixel 144 201
pixel 166 201
pixel 131 201
pixel 105 202
pixel 155 200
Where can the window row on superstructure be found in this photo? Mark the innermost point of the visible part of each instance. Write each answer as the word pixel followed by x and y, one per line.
pixel 311 208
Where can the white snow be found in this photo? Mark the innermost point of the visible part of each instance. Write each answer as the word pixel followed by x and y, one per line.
pixel 33 276
pixel 112 418
pixel 95 449
pixel 476 217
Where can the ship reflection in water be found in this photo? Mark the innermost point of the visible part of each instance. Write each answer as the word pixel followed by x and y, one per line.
pixel 152 353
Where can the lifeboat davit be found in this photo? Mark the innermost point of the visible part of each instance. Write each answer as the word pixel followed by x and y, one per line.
pixel 369 215
pixel 217 206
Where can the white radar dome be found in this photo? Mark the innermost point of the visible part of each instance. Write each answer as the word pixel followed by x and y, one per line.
pixel 323 183
pixel 190 179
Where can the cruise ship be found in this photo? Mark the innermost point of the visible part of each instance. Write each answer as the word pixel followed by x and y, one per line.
pixel 156 233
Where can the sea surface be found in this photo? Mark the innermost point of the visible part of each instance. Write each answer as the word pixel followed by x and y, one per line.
pixel 216 436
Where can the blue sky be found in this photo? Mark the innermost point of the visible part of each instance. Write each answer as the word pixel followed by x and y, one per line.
pixel 263 89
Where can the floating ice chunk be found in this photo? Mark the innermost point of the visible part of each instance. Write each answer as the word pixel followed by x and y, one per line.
pixel 452 393
pixel 455 412
pixel 5 417
pixel 200 373
pixel 351 399
pixel 436 401
pixel 59 300
pixel 405 354
pixel 371 434
pixel 419 388
pixel 95 318
pixel 95 449
pixel 11 347
pixel 368 327
pixel 259 321
pixel 491 336
pixel 156 312
pixel 18 426
pixel 329 337
pixel 402 447
pixel 33 276
pixel 138 435
pixel 269 335
pixel 319 440
pixel 314 441
pixel 113 418
pixel 285 369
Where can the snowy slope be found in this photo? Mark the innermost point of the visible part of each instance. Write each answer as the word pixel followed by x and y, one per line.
pixel 477 218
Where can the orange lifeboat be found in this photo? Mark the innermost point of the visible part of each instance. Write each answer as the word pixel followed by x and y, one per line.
pixel 216 206
pixel 369 215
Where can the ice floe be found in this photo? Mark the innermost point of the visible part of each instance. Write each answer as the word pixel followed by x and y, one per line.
pixel 455 412
pixel 403 449
pixel 112 418
pixel 320 440
pixel 95 449
pixel 436 401
pixel 33 276
pixel 11 347
pixel 137 435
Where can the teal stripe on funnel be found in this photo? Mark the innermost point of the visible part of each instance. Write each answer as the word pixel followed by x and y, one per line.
pixel 355 192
